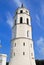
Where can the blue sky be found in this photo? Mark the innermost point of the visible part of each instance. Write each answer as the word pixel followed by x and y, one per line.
pixel 7 11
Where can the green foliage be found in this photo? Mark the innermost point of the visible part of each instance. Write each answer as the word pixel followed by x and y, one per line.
pixel 38 62
pixel 7 63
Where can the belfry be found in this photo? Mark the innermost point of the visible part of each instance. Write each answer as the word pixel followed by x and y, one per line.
pixel 22 52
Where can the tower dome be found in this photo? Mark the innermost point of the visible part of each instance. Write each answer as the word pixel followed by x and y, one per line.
pixel 22 9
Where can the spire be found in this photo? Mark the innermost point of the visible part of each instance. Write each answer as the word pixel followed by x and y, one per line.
pixel 22 5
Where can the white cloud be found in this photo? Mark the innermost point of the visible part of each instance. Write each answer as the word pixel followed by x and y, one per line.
pixel 40 41
pixel 40 15
pixel 40 44
pixel 18 2
pixel 10 19
pixel 42 8
pixel 37 17
pixel 38 21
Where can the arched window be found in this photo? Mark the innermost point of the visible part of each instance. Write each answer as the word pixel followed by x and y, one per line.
pixel 23 43
pixel 23 53
pixel 27 21
pixel 31 45
pixel 31 54
pixel 20 19
pixel 27 33
pixel 15 22
pixel 21 11
pixel 16 12
pixel 14 53
pixel 15 44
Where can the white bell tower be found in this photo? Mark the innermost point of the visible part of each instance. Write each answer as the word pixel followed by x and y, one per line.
pixel 22 52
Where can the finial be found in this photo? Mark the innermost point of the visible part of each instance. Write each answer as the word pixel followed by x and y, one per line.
pixel 22 5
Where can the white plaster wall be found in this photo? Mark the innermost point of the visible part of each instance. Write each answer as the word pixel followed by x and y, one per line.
pixel 21 31
pixel 19 58
pixel 24 16
pixel 3 59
